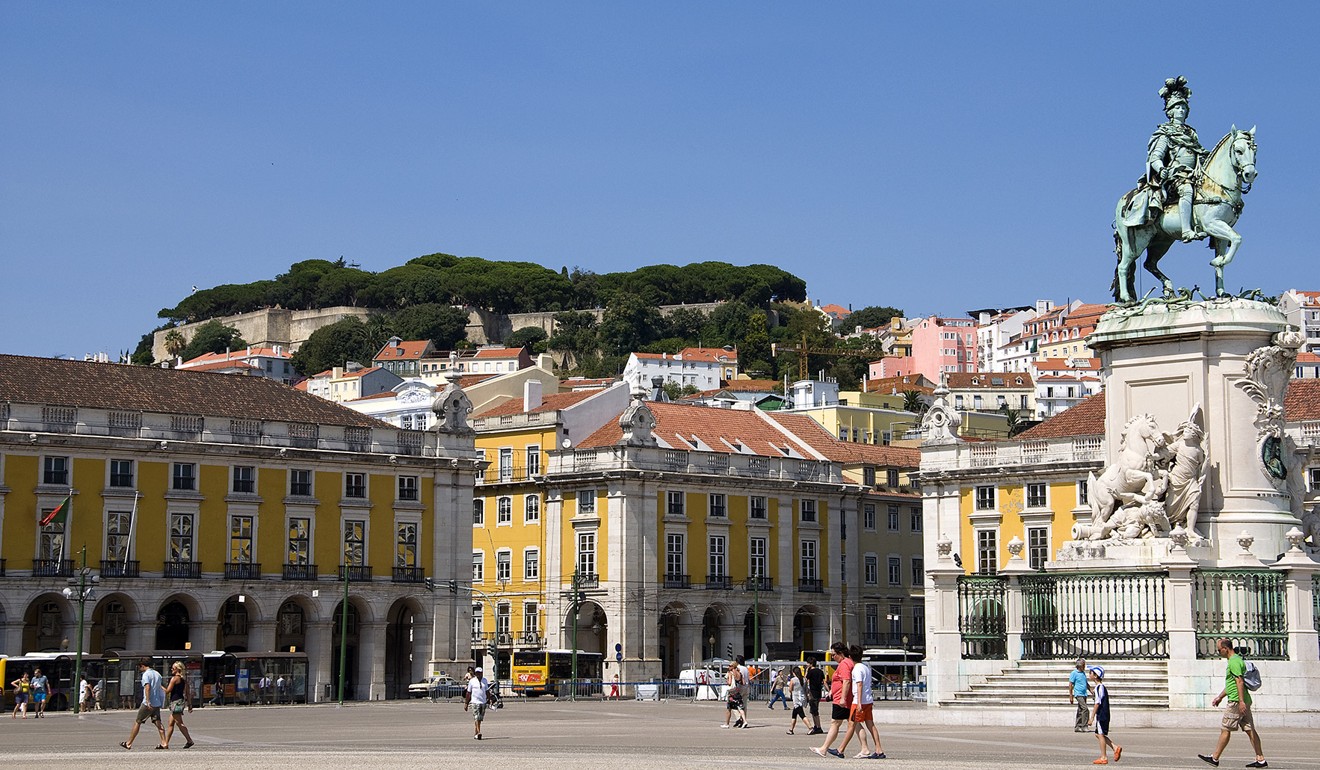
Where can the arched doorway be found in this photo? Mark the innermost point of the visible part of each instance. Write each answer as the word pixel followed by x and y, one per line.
pixel 400 666
pixel 592 628
pixel 345 639
pixel 47 625
pixel 804 629
pixel 710 633
pixel 173 626
pixel 110 622
pixel 232 633
pixel 756 630
pixel 671 652
pixel 291 627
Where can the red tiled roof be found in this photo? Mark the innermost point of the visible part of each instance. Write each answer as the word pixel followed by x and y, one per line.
pixel 678 424
pixel 359 373
pixel 62 382
pixel 550 402
pixel 1087 418
pixel 752 386
pixel 498 353
pixel 234 355
pixel 404 351
pixel 1303 357
pixel 1061 364
pixel 989 380
pixel 374 396
pixel 1302 403
pixel 219 366
pixel 846 452
pixel 709 355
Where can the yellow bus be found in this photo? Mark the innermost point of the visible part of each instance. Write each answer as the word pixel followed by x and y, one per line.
pixel 542 672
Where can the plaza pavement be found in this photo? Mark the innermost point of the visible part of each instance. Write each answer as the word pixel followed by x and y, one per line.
pixel 621 734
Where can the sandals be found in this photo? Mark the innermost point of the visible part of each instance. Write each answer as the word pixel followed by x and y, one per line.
pixel 162 747
pixel 188 745
pixel 124 745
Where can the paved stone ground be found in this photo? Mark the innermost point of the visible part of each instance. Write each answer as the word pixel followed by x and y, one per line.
pixel 544 734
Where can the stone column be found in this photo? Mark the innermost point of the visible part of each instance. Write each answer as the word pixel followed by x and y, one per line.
pixel 261 635
pixel 1299 570
pixel 1014 606
pixel 689 644
pixel 139 634
pixel 202 634
pixel 370 682
pixel 1180 623
pixel 943 638
pixel 320 651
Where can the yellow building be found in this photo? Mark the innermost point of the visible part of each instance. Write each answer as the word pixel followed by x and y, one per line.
pixel 225 513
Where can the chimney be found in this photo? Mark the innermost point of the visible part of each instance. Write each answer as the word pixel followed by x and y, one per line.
pixel 336 372
pixel 531 395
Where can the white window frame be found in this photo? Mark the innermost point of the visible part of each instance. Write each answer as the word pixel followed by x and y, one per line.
pixel 531 564
pixel 532 508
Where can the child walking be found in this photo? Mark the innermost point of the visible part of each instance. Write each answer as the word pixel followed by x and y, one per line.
pixel 1100 717
pixel 797 694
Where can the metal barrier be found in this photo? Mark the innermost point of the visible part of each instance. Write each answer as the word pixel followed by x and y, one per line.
pixel 1067 616
pixel 1244 605
pixel 981 618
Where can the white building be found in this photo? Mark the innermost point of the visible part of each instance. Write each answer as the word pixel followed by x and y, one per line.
pixel 700 368
pixel 1302 309
pixel 273 363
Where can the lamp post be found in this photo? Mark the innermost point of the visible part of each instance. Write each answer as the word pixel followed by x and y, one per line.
pixel 756 617
pixel 81 589
pixel 343 630
pixel 905 646
pixel 574 608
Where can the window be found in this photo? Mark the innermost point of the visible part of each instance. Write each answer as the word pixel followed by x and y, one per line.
pixel 891 477
pixel 872 620
pixel 300 541
pixel 240 539
pixel 987 552
pixel 915 518
pixel 808 510
pixel 674 504
pixel 532 564
pixel 533 463
pixel 51 545
pixel 532 509
pixel 55 470
pixel 586 560
pixel 1038 547
pixel 405 544
pixel 503 566
pixel 121 473
pixel 184 477
pixel 504 510
pixel 674 554
pixel 871 569
pixel 868 517
pixel 1035 495
pixel 118 525
pixel 918 571
pixel 757 507
pixel 506 464
pixel 758 566
pixel 355 542
pixel 808 561
pixel 245 479
pixel 531 620
pixel 868 476
pixel 300 482
pixel 891 513
pixel 985 498
pixel 478 512
pixel 717 506
pixel 181 537
pixel 586 502
pixel 715 565
pixel 1084 499
pixel 478 616
pixel 895 620
pixel 408 488
pixel 355 485
pixel 478 566
pixel 895 571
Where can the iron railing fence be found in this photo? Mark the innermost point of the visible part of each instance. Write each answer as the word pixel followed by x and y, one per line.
pixel 1067 616
pixel 1246 606
pixel 981 618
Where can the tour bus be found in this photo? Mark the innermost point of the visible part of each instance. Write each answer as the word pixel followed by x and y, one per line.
pixel 541 672
pixel 894 666
pixel 58 667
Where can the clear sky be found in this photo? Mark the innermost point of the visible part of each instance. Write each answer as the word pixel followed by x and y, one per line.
pixel 932 156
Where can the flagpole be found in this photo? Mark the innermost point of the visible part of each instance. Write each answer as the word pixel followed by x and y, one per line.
pixel 64 537
pixel 132 530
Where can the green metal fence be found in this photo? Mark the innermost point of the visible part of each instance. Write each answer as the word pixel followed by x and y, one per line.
pixel 981 618
pixel 1067 616
pixel 1243 605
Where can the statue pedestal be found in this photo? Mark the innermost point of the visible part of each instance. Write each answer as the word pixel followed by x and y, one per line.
pixel 1123 555
pixel 1163 360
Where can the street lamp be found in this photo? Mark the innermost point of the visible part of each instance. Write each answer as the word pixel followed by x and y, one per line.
pixel 905 648
pixel 81 589
pixel 343 628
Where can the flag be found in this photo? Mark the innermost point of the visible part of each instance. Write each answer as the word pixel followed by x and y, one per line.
pixel 60 514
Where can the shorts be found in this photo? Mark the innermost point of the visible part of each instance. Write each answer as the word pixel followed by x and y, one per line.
pixel 861 714
pixel 146 712
pixel 38 697
pixel 20 698
pixel 799 713
pixel 838 713
pixel 813 705
pixel 1102 726
pixel 1234 719
pixel 478 712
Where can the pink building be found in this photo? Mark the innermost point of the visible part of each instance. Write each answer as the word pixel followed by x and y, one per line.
pixel 942 345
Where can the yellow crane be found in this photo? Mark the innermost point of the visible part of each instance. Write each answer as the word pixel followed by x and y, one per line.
pixel 805 351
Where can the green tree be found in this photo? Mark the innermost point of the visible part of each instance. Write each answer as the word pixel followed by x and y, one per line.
pixel 334 345
pixel 872 317
pixel 914 401
pixel 444 325
pixel 629 323
pixel 211 337
pixel 574 337
pixel 686 324
pixel 533 338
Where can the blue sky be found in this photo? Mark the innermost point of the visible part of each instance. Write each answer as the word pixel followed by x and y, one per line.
pixel 932 156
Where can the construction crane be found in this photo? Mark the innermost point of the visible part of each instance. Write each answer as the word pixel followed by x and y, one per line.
pixel 805 351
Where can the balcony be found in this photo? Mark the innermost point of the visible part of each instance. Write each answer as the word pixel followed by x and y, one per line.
pixel 719 582
pixel 677 581
pixel 357 573
pixel 300 572
pixel 190 570
pixel 408 575
pixel 120 569
pixel 588 580
pixel 242 570
pixel 811 585
pixel 52 568
pixel 759 584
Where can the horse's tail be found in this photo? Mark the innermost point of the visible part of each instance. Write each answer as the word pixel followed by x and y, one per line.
pixel 1118 258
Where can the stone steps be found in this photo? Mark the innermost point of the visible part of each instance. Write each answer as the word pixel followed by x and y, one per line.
pixel 1142 684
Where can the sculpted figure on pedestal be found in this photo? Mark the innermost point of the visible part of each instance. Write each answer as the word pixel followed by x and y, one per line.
pixel 1186 474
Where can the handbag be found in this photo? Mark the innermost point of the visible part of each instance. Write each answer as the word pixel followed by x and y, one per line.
pixel 176 707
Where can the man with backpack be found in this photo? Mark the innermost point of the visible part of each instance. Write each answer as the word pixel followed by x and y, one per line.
pixel 1239 679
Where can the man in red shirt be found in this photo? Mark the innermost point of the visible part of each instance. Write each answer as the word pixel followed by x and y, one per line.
pixel 840 697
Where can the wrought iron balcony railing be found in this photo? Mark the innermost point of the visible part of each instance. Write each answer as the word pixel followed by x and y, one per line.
pixel 677 581
pixel 759 584
pixel 183 569
pixel 299 571
pixel 719 582
pixel 811 585
pixel 120 569
pixel 52 568
pixel 242 570
pixel 408 575
pixel 360 573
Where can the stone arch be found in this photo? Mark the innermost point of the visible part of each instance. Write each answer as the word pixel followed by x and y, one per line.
pixel 758 626
pixel 592 624
pixel 175 616
pixel 111 618
pixel 405 618
pixel 809 632
pixel 357 669
pixel 237 613
pixel 713 620
pixel 48 622
pixel 292 617
pixel 673 618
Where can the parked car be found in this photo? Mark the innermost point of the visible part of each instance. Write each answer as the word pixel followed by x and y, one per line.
pixel 442 686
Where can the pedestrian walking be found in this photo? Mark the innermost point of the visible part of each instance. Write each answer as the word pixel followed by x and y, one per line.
pixel 1078 691
pixel 860 718
pixel 40 692
pixel 476 701
pixel 797 691
pixel 179 695
pixel 840 699
pixel 777 688
pixel 1237 714
pixel 280 685
pixel 85 694
pixel 733 697
pixel 22 689
pixel 614 688
pixel 153 698
pixel 1099 717
pixel 98 691
pixel 815 688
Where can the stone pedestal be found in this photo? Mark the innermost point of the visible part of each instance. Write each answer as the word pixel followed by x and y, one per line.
pixel 1163 360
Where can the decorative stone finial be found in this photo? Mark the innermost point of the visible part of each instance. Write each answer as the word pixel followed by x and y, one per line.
pixel 452 407
pixel 1015 547
pixel 638 422
pixel 940 423
pixel 1295 539
pixel 1244 541
pixel 1178 538
pixel 943 548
